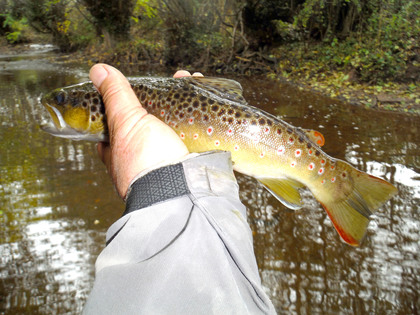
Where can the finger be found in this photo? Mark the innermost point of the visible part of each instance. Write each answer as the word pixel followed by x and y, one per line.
pixel 197 74
pixel 182 73
pixel 116 92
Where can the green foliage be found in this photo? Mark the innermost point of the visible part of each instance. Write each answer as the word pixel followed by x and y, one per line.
pixel 17 27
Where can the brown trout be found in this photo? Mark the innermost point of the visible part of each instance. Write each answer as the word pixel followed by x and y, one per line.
pixel 211 114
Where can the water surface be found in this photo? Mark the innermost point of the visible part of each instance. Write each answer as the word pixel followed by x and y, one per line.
pixel 56 202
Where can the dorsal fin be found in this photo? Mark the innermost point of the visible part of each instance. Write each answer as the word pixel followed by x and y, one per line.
pixel 223 88
pixel 285 190
pixel 315 136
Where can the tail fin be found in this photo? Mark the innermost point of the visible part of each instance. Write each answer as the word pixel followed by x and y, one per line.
pixel 350 204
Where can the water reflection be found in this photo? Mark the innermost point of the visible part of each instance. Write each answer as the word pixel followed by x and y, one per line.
pixel 56 202
pixel 305 267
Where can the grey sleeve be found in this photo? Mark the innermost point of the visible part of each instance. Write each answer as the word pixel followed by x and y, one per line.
pixel 183 246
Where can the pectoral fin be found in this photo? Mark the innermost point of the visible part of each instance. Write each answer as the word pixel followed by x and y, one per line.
pixel 285 190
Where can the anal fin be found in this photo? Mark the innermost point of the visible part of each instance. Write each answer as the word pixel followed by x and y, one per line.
pixel 285 190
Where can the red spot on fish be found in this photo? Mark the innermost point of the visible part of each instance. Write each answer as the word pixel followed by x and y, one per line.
pixel 293 164
pixel 236 147
pixel 209 131
pixel 280 150
pixel 322 161
pixel 150 102
pixel 217 143
pixel 332 167
pixel 311 166
pixel 291 140
pixel 230 131
pixel 310 152
pixel 195 136
pixel 321 171
pixel 191 121
pixel 162 112
pixel 323 181
pixel 333 180
pixel 266 130
pixel 182 135
pixel 298 153
pixel 262 154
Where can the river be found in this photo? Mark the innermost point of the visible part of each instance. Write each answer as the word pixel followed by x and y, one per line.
pixel 57 201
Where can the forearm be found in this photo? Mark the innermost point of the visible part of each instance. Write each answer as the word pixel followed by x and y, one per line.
pixel 182 246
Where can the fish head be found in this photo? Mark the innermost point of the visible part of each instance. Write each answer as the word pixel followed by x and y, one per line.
pixel 77 113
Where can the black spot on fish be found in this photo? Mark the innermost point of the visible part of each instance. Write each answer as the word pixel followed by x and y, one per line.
pixel 196 104
pixel 179 107
pixel 95 101
pixel 84 104
pixel 141 86
pixel 230 120
pixel 230 111
pixel 185 94
pixel 261 121
pixel 278 131
pixel 289 130
pixel 253 122
pixel 211 102
pixel 248 115
pixel 93 118
pixel 202 98
pixel 192 94
pixel 237 114
pixel 186 105
pixel 205 117
pixel 181 115
pixel 93 108
pixel 221 112
pixel 224 118
pixel 87 96
pixel 182 99
pixel 143 97
pixel 214 108
pixel 269 122
pixel 173 103
pixel 239 122
pixel 300 139
pixel 150 92
pixel 308 145
pixel 176 112
pixel 317 153
pixel 190 109
pixel 189 99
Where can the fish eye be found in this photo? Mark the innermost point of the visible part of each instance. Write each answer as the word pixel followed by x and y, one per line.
pixel 60 98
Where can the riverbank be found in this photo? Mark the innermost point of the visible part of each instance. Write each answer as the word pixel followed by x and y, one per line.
pixel 285 64
pixel 289 63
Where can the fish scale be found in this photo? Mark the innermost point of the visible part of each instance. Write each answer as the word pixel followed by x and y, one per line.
pixel 211 114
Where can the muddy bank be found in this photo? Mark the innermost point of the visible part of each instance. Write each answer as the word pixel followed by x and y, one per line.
pixel 390 96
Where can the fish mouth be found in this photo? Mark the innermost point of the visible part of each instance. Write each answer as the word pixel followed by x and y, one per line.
pixel 56 116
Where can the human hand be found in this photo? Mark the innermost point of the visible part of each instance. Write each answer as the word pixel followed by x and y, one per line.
pixel 138 140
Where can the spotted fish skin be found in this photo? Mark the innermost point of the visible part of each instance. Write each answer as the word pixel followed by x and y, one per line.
pixel 211 114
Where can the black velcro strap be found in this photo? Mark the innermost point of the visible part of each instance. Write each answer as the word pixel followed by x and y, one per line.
pixel 159 185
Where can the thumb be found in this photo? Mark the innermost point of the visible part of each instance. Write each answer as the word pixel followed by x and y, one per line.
pixel 116 93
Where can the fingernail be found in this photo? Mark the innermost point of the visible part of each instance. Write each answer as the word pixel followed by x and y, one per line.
pixel 98 74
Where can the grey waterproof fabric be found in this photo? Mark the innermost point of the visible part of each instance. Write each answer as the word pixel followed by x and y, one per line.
pixel 190 254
